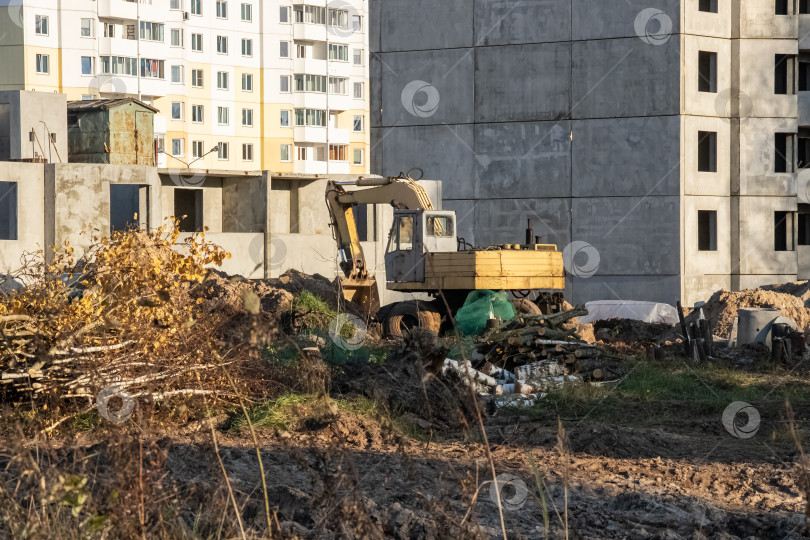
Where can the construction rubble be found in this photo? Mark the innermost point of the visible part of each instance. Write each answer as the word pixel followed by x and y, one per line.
pixel 516 364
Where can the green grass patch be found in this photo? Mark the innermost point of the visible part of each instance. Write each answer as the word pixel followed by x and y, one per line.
pixel 312 310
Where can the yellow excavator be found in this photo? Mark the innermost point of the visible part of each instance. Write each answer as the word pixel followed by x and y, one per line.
pixel 425 255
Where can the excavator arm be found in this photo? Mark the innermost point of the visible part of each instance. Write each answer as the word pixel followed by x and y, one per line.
pixel 358 283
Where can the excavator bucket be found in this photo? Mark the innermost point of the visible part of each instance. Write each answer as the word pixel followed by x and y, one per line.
pixel 362 292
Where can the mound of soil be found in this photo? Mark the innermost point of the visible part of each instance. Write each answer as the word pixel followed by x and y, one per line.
pixel 630 331
pixel 723 306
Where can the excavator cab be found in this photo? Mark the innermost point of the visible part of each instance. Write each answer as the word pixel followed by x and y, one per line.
pixel 414 233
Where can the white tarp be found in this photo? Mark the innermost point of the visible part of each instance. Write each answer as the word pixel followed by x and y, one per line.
pixel 651 312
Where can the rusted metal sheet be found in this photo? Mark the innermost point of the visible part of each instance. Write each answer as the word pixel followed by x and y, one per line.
pixel 111 131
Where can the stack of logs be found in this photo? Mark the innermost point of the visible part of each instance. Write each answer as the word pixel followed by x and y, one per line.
pixel 544 340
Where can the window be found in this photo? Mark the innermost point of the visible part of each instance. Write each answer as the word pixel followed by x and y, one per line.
pixel 247 117
pixel 783 231
pixel 222 152
pixel 707 72
pixel 222 44
pixel 804 7
pixel 152 31
pixel 152 68
pixel 87 65
pixel 176 5
pixel 196 7
pixel 284 49
pixel 197 78
pixel 284 14
pixel 43 61
pixel 310 83
pixel 177 75
pixel 188 208
pixel 247 152
pixel 339 52
pixel 358 90
pixel 709 6
pixel 87 28
pixel 41 22
pixel 285 119
pixel 804 150
pixel 358 124
pixel 8 211
pixel 707 151
pixel 783 152
pixel 222 116
pixel 177 37
pixel 302 153
pixel 178 147
pixel 310 117
pixel 804 76
pixel 197 114
pixel 339 18
pixel 197 149
pixel 177 110
pixel 109 30
pixel 247 13
pixel 222 9
pixel 286 151
pixel 804 229
pixel 357 58
pixel 301 51
pixel 357 23
pixel 358 156
pixel 707 230
pixel 119 65
pixel 783 7
pixel 222 80
pixel 247 47
pixel 337 85
pixel 310 14
pixel 784 74
pixel 247 82
pixel 284 83
pixel 338 152
pixel 404 241
pixel 440 226
pixel 196 42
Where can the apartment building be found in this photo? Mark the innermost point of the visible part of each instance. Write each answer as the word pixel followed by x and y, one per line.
pixel 240 86
pixel 663 145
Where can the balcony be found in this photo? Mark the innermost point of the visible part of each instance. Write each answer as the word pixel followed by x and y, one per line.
pixel 309 32
pixel 339 136
pixel 310 166
pixel 117 47
pixel 118 9
pixel 309 100
pixel 309 66
pixel 339 167
pixel 309 134
pixel 339 102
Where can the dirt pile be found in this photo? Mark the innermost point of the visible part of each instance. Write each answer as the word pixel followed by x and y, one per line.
pixel 722 307
pixel 630 331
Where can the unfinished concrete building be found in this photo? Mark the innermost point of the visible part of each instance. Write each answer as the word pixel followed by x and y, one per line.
pixel 657 142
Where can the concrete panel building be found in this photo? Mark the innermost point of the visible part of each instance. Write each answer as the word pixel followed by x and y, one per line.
pixel 659 143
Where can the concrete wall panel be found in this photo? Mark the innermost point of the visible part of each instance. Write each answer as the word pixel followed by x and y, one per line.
pixel 757 77
pixel 757 254
pixel 618 18
pixel 626 157
pixel 503 221
pixel 704 23
pixel 665 289
pixel 442 152
pixel 758 19
pixel 697 182
pixel 602 69
pixel 505 22
pixel 523 160
pixel 697 263
pixel 532 85
pixel 427 87
pixel 758 157
pixel 30 213
pixel 409 25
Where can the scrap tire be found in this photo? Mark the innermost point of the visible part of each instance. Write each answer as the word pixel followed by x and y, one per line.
pixel 524 306
pixel 406 315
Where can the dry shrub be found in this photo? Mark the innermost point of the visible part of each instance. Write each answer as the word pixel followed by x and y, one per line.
pixel 133 314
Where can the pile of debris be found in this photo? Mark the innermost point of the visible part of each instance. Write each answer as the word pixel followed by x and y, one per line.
pixel 522 360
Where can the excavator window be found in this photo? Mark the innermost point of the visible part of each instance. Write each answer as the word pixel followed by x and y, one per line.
pixel 405 233
pixel 440 226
